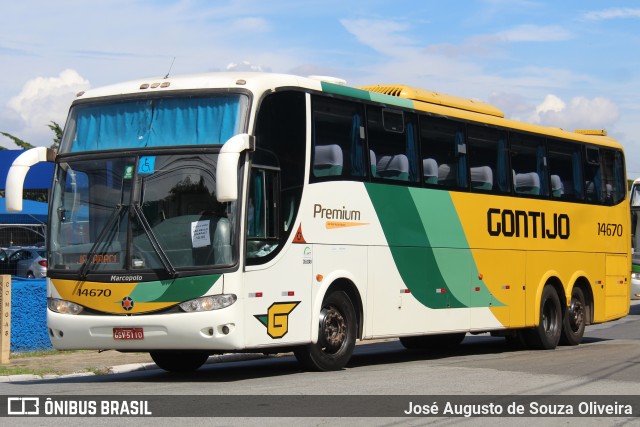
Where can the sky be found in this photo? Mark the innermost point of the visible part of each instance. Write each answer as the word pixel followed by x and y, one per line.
pixel 573 64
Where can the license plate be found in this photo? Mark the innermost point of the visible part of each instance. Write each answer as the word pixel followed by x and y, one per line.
pixel 128 334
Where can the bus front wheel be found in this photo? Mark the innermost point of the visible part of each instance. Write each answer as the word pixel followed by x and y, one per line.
pixel 179 361
pixel 546 335
pixel 336 336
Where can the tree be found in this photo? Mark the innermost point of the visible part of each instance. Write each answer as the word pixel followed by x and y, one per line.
pixel 55 127
pixel 20 143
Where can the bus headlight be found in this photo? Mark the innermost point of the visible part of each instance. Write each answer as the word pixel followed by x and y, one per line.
pixel 64 307
pixel 208 303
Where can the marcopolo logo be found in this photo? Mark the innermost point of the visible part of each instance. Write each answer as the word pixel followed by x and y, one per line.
pixel 277 318
pixel 119 278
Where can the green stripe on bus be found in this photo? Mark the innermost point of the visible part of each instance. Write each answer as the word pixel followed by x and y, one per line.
pixel 367 96
pixel 178 290
pixel 429 247
pixel 345 90
pixel 393 100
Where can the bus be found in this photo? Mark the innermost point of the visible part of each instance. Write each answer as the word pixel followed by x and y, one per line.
pixel 634 200
pixel 224 212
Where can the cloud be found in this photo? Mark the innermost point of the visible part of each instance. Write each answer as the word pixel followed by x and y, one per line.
pixel 381 35
pixel 45 99
pixel 484 44
pixel 613 13
pixel 579 113
pixel 247 66
pixel 534 33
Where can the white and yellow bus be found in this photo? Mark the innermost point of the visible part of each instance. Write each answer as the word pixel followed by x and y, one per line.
pixel 253 212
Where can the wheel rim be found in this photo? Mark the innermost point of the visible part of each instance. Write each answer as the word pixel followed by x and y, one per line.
pixel 333 327
pixel 550 319
pixel 576 314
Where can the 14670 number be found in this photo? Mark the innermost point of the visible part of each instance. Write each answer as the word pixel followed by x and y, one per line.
pixel 94 292
pixel 608 229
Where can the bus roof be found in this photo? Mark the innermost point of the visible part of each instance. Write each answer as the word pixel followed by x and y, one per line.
pixel 402 96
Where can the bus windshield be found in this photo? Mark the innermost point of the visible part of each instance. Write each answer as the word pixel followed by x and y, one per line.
pixel 153 213
pixel 154 122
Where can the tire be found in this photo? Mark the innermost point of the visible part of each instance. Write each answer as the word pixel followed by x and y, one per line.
pixel 574 319
pixel 546 335
pixel 179 361
pixel 336 336
pixel 432 342
pixel 30 275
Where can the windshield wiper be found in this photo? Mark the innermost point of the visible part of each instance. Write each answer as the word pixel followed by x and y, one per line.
pixel 164 259
pixel 113 219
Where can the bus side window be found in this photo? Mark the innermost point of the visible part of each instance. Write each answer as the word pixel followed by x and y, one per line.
pixel 262 215
pixel 613 181
pixel 529 165
pixel 565 170
pixel 487 159
pixel 443 152
pixel 338 140
pixel 392 141
pixel 593 176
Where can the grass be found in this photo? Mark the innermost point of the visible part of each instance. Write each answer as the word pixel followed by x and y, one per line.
pixel 41 353
pixel 24 370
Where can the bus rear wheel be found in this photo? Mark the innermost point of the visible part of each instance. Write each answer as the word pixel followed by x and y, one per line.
pixel 546 335
pixel 432 342
pixel 336 336
pixel 179 361
pixel 574 319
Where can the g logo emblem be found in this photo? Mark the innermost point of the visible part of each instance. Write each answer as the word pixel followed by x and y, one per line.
pixel 277 318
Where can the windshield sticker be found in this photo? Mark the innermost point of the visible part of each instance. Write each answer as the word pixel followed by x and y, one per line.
pixel 128 172
pixel 200 236
pixel 147 165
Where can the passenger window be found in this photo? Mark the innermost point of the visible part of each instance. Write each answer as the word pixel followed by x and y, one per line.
pixel 529 165
pixel 613 181
pixel 442 143
pixel 594 190
pixel 392 143
pixel 338 140
pixel 488 168
pixel 565 170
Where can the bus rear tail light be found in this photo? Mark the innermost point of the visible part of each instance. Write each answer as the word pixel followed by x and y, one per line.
pixel 43 262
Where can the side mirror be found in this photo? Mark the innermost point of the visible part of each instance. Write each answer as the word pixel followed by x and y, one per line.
pixel 18 172
pixel 227 170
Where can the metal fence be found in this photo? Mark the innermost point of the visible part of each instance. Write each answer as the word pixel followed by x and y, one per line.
pixel 22 234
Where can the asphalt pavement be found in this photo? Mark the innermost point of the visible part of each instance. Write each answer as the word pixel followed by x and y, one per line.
pixel 63 364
